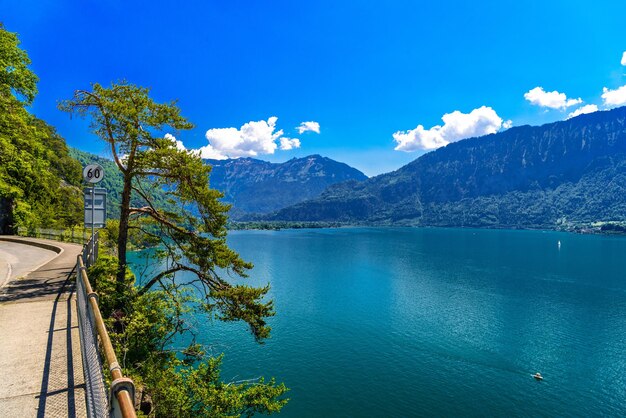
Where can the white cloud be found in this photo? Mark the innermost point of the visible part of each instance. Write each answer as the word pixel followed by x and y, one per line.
pixel 615 97
pixel 552 99
pixel 288 143
pixel 210 153
pixel 252 139
pixel 309 126
pixel 507 124
pixel 456 126
pixel 179 144
pixel 590 108
pixel 206 152
pixel 624 58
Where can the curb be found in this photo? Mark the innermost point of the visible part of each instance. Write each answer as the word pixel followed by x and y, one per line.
pixel 46 246
pixel 43 245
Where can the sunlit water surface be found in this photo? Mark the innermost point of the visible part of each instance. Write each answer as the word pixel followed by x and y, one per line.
pixel 401 322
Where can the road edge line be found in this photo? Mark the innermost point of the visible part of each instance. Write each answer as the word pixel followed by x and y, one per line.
pixel 51 247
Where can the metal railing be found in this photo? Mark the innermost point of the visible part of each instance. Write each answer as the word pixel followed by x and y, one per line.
pixel 75 235
pixel 93 337
pixel 90 250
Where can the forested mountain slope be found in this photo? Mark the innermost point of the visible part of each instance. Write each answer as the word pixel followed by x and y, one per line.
pixel 541 176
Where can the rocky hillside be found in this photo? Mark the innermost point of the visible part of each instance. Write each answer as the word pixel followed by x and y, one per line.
pixel 255 186
pixel 542 176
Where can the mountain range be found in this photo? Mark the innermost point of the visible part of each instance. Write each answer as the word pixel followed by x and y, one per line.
pixel 559 174
pixel 573 171
pixel 254 186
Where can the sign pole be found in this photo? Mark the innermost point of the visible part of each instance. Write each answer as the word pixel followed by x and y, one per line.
pixel 93 221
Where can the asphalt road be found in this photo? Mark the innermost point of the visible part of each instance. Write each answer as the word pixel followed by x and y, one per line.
pixel 40 358
pixel 17 260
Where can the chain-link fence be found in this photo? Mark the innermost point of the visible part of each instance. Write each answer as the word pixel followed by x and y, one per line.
pixel 118 400
pixel 95 390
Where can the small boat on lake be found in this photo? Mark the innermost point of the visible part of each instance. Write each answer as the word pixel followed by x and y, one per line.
pixel 537 376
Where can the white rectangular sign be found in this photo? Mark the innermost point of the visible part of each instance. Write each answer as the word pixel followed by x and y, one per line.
pixel 99 207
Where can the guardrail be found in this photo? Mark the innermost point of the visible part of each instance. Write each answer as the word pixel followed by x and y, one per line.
pixel 94 335
pixel 76 235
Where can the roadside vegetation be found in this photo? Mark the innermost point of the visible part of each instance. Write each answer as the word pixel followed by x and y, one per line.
pixel 39 181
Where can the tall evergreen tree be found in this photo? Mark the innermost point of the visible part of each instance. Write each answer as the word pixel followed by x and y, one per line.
pixel 187 231
pixel 193 238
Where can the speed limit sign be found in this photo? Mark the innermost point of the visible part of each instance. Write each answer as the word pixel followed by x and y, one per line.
pixel 93 173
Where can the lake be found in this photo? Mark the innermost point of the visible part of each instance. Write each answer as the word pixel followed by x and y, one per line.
pixel 403 322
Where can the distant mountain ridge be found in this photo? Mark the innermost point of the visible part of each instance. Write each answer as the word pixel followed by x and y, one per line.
pixel 255 186
pixel 252 186
pixel 542 176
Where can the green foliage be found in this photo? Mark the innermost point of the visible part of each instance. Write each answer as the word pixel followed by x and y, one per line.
pixel 109 234
pixel 239 303
pixel 103 279
pixel 189 391
pixel 39 181
pixel 15 76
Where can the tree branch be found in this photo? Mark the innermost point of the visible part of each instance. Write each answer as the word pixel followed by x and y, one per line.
pixel 107 125
pixel 205 278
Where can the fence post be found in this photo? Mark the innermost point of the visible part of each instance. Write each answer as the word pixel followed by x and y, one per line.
pixel 97 245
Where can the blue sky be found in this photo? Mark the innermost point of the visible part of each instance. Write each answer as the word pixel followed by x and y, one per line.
pixel 363 71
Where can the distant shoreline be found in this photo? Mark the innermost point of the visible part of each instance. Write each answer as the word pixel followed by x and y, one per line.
pixel 596 228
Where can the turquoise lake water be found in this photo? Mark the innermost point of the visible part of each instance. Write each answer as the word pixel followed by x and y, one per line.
pixel 404 322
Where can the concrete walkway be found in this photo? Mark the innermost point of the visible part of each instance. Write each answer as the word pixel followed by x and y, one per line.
pixel 40 360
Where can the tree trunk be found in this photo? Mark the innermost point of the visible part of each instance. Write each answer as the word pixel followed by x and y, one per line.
pixel 122 239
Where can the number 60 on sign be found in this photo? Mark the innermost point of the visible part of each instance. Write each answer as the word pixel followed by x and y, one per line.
pixel 93 173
